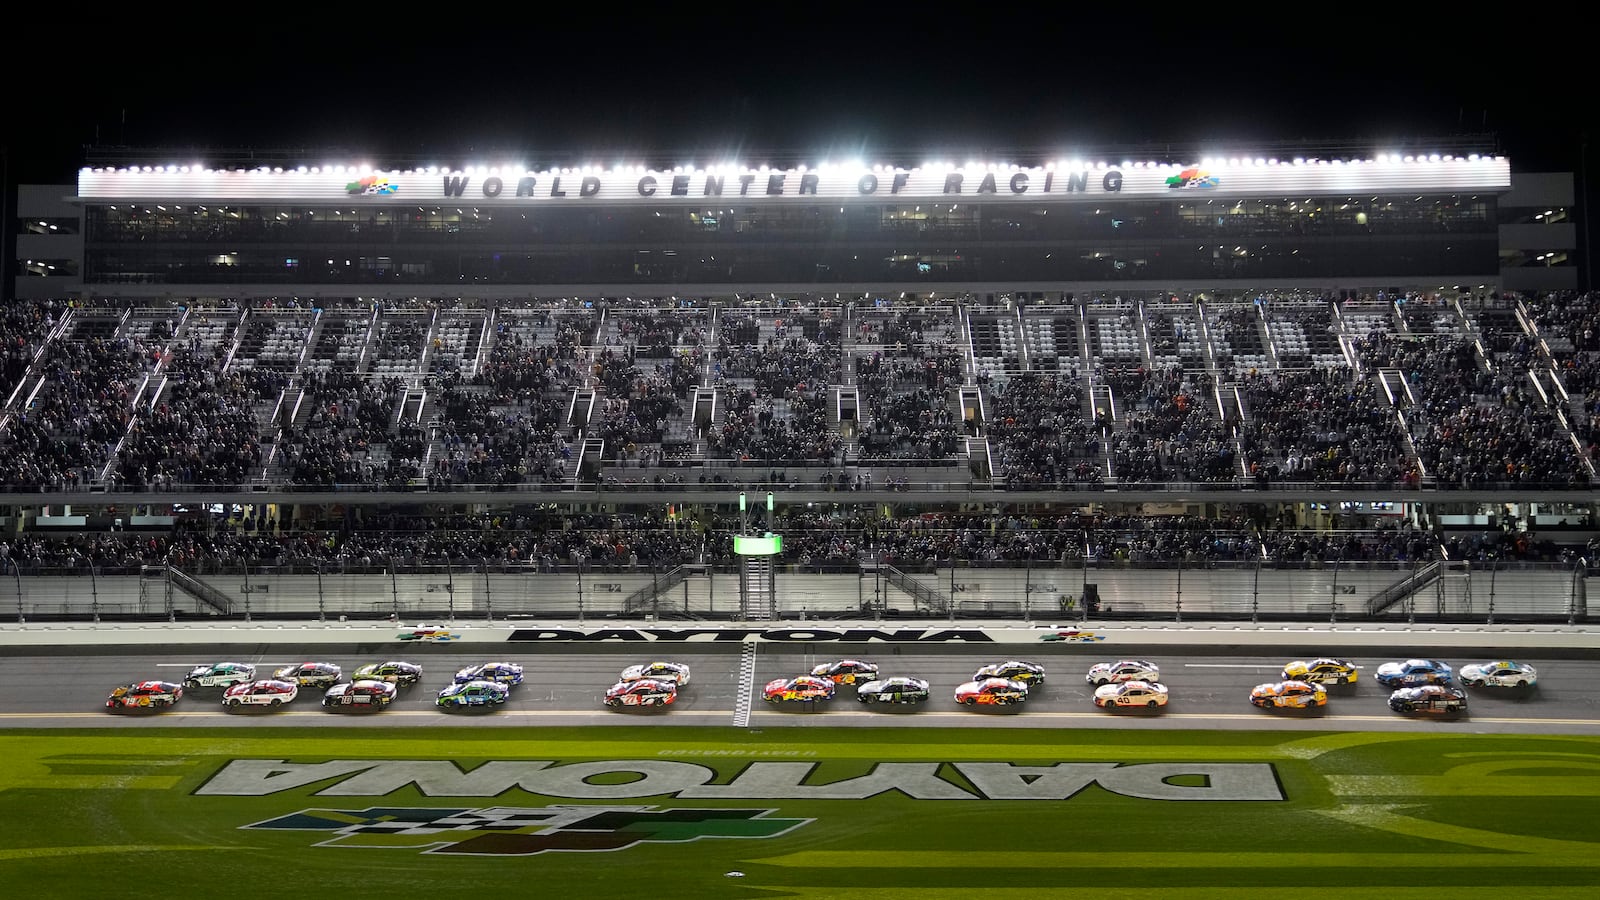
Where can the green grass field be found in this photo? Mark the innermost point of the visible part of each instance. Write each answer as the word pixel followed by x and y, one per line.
pixel 161 814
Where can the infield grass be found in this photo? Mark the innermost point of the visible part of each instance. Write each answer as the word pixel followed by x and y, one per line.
pixel 107 813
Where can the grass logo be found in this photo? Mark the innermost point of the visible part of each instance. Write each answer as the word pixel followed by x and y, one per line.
pixel 1195 178
pixel 513 831
pixel 372 184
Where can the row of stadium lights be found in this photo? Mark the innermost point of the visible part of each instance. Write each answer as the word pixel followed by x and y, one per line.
pixel 1233 162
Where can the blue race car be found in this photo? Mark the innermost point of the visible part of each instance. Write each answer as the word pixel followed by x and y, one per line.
pixel 500 672
pixel 473 693
pixel 1414 672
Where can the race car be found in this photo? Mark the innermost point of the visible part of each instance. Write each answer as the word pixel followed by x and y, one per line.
pixel 1432 699
pixel 364 694
pixel 268 692
pixel 642 692
pixel 500 672
pixel 677 673
pixel 1322 670
pixel 473 693
pixel 1289 695
pixel 1131 693
pixel 801 688
pixel 220 674
pixel 310 674
pixel 144 695
pixel 1500 673
pixel 1413 671
pixel 893 690
pixel 846 671
pixel 1122 670
pixel 1012 670
pixel 992 692
pixel 402 674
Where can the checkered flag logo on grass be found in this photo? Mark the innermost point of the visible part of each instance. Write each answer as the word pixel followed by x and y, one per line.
pixel 513 831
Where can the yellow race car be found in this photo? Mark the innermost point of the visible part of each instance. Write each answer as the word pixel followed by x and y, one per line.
pixel 1289 695
pixel 1322 670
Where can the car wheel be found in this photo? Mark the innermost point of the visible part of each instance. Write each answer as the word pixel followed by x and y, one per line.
pixel 1151 704
pixel 276 702
pixel 1407 707
pixel 236 703
pixel 969 701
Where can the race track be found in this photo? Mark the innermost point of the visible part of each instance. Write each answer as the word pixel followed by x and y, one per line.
pixel 565 688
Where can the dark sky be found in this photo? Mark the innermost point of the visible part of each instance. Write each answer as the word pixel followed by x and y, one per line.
pixel 758 84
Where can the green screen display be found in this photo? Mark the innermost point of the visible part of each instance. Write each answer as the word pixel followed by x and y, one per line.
pixel 770 545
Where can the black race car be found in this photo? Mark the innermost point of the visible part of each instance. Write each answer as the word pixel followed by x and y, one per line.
pixel 893 690
pixel 401 673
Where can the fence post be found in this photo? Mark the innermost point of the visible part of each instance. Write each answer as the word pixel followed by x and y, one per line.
pixel 394 592
pixel 322 603
pixel 488 601
pixel 1494 568
pixel 1179 598
pixel 580 595
pixel 94 595
pixel 1333 595
pixel 1255 596
pixel 22 618
pixel 1411 595
pixel 450 587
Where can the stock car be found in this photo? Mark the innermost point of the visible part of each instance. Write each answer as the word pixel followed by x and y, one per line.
pixel 642 692
pixel 144 695
pixel 310 674
pixel 1131 693
pixel 267 692
pixel 1413 672
pixel 893 690
pixel 801 688
pixel 1289 695
pixel 846 671
pixel 222 674
pixel 499 672
pixel 677 673
pixel 1122 670
pixel 364 694
pixel 1500 673
pixel 473 693
pixel 401 673
pixel 1322 670
pixel 992 692
pixel 1432 699
pixel 1012 670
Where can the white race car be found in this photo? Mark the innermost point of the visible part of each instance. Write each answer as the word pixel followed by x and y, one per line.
pixel 220 674
pixel 1500 673
pixel 677 673
pixel 1131 693
pixel 1122 670
pixel 260 693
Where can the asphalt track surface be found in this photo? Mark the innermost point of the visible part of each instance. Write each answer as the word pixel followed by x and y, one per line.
pixel 566 688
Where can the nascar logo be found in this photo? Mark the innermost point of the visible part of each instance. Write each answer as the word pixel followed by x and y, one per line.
pixel 1195 178
pixel 516 831
pixel 429 634
pixel 372 184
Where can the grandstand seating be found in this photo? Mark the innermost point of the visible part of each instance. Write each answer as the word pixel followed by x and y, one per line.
pixel 1415 391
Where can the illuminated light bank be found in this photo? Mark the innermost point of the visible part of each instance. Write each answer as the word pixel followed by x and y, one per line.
pixel 483 186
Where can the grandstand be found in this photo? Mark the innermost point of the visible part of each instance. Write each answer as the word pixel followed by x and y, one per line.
pixel 985 433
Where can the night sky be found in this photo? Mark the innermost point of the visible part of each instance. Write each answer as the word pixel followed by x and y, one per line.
pixel 768 85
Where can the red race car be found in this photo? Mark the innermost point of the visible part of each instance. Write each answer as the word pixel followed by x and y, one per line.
pixel 642 692
pixel 802 688
pixel 991 692
pixel 144 695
